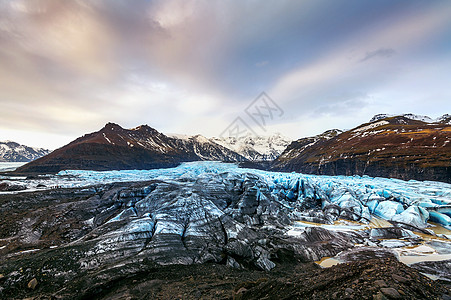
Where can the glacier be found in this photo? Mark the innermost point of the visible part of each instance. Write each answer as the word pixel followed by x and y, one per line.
pixel 410 202
pixel 357 198
pixel 214 212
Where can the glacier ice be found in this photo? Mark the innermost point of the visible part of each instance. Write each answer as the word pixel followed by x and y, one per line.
pixel 413 215
pixel 217 212
pixel 353 197
pixel 388 209
pixel 440 218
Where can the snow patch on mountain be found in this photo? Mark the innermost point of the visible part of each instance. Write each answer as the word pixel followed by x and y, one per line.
pixel 371 126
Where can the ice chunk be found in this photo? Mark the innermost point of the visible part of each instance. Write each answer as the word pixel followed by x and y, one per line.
pixel 391 233
pixel 440 218
pixel 385 193
pixel 372 205
pixel 394 243
pixel 414 215
pixel 366 215
pixel 350 204
pixel 444 209
pixel 388 209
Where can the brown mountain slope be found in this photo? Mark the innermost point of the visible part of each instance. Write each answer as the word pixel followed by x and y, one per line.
pixel 396 147
pixel 116 148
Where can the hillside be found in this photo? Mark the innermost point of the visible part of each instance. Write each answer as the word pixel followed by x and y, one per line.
pixel 399 147
pixel 116 148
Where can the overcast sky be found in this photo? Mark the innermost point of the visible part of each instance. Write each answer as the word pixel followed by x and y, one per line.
pixel 68 67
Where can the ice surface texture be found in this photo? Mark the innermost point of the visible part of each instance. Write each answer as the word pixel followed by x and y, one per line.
pixel 352 197
pixel 410 202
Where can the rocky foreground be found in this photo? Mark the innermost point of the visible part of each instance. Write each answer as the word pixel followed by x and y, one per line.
pixel 215 232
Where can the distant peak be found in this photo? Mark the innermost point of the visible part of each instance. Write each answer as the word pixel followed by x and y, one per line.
pixel 334 131
pixel 419 118
pixel 331 133
pixel 409 116
pixel 178 136
pixel 112 126
pixel 140 127
pixel 144 127
pixel 7 141
pixel 446 118
pixel 380 117
pixel 200 138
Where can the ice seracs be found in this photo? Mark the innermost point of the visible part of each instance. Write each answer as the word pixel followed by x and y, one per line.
pixel 330 197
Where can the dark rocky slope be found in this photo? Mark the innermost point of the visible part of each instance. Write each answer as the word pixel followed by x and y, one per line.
pixel 396 147
pixel 116 148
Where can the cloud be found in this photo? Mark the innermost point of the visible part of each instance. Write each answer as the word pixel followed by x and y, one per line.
pixel 262 63
pixel 319 82
pixel 346 103
pixel 382 52
pixel 70 66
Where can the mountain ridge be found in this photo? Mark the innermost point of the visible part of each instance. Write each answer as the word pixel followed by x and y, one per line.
pixel 426 119
pixel 399 147
pixel 256 148
pixel 11 151
pixel 405 146
pixel 113 148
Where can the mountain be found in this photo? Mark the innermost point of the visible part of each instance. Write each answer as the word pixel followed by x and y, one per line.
pixel 405 147
pixel 446 118
pixel 205 149
pixel 14 152
pixel 116 148
pixel 256 148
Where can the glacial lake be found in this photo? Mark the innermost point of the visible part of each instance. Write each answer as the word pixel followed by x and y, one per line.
pixel 10 166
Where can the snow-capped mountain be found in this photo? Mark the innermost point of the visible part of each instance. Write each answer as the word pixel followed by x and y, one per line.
pixel 442 119
pixel 445 119
pixel 207 149
pixel 15 152
pixel 406 147
pixel 116 148
pixel 305 144
pixel 256 148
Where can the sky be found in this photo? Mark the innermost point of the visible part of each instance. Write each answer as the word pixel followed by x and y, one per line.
pixel 195 67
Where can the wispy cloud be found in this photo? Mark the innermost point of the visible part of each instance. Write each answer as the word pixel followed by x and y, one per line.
pixel 382 52
pixel 262 63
